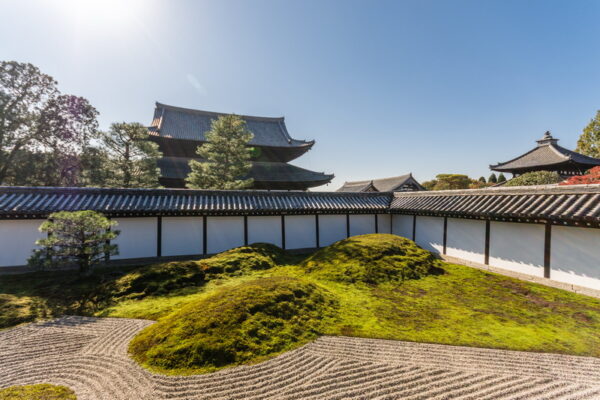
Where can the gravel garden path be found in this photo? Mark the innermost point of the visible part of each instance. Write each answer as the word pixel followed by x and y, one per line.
pixel 90 356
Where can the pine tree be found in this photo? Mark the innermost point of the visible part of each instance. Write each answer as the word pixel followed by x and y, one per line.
pixel 589 141
pixel 482 179
pixel 225 156
pixel 492 178
pixel 501 178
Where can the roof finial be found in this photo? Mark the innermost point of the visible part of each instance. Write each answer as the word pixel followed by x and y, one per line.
pixel 547 139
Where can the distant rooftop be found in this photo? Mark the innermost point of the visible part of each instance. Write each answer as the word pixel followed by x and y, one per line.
pixel 395 183
pixel 184 123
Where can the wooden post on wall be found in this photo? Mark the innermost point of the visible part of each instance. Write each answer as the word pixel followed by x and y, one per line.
pixel 414 231
pixel 245 230
pixel 376 224
pixel 158 236
pixel 487 243
pixel 347 225
pixel 318 238
pixel 107 254
pixel 204 236
pixel 445 234
pixel 547 248
pixel 283 232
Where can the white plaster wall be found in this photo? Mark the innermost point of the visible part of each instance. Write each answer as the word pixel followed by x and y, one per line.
pixel 181 236
pixel 137 238
pixel 517 247
pixel 300 231
pixel 362 224
pixel 331 229
pixel 384 223
pixel 429 233
pixel 466 239
pixel 224 233
pixel 575 256
pixel 402 225
pixel 264 230
pixel 17 241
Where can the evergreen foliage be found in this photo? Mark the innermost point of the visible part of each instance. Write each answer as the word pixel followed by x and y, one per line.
pixel 492 178
pixel 482 179
pixel 132 158
pixel 535 178
pixel 589 141
pixel 74 238
pixel 501 178
pixel 225 156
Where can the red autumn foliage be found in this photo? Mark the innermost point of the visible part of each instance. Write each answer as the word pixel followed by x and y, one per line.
pixel 593 176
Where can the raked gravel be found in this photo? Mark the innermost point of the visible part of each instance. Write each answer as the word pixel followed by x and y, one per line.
pixel 89 355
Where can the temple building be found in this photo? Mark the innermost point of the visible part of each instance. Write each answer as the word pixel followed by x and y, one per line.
pixel 548 156
pixel 403 183
pixel 179 132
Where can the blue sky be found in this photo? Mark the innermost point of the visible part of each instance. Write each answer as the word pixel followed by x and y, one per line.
pixel 384 87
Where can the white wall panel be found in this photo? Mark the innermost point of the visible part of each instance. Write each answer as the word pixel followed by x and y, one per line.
pixel 384 223
pixel 429 233
pixel 264 230
pixel 361 224
pixel 517 247
pixel 466 239
pixel 181 236
pixel 17 240
pixel 137 238
pixel 575 256
pixel 331 229
pixel 300 231
pixel 224 233
pixel 402 225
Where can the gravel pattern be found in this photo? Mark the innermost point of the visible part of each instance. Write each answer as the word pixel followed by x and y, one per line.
pixel 89 355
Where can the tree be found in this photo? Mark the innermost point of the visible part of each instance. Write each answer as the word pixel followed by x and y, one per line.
pixel 79 238
pixel 24 92
pixel 225 156
pixel 589 141
pixel 482 179
pixel 66 126
pixel 132 158
pixel 492 178
pixel 535 178
pixel 591 177
pixel 501 178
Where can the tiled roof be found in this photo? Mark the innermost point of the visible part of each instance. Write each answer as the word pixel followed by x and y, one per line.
pixel 262 171
pixel 580 203
pixel 41 201
pixel 382 185
pixel 547 153
pixel 184 123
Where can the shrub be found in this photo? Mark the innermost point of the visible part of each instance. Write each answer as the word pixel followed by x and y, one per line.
pixel 235 325
pixel 373 258
pixel 535 178
pixel 41 391
pixel 591 177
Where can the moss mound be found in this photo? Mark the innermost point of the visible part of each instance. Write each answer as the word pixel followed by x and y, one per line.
pixel 236 324
pixel 164 278
pixel 373 258
pixel 42 391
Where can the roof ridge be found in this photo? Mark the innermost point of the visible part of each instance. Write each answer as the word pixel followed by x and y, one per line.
pixel 503 190
pixel 204 112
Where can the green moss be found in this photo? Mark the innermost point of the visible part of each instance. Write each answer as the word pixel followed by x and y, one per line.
pixel 236 324
pixel 42 391
pixel 374 259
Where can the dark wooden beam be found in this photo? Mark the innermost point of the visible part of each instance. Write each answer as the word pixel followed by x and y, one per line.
pixel 204 236
pixel 107 254
pixel 283 232
pixel 158 236
pixel 547 249
pixel 487 243
pixel 376 224
pixel 414 228
pixel 445 234
pixel 245 230
pixel 347 225
pixel 318 237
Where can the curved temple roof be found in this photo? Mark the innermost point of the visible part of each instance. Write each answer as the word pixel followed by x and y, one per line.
pixel 394 183
pixel 184 123
pixel 547 153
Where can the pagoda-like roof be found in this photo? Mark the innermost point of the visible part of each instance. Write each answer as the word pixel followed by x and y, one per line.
pixel 392 184
pixel 188 124
pixel 263 172
pixel 546 155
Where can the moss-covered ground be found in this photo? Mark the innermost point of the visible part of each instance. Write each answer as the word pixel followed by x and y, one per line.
pixel 41 391
pixel 435 302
